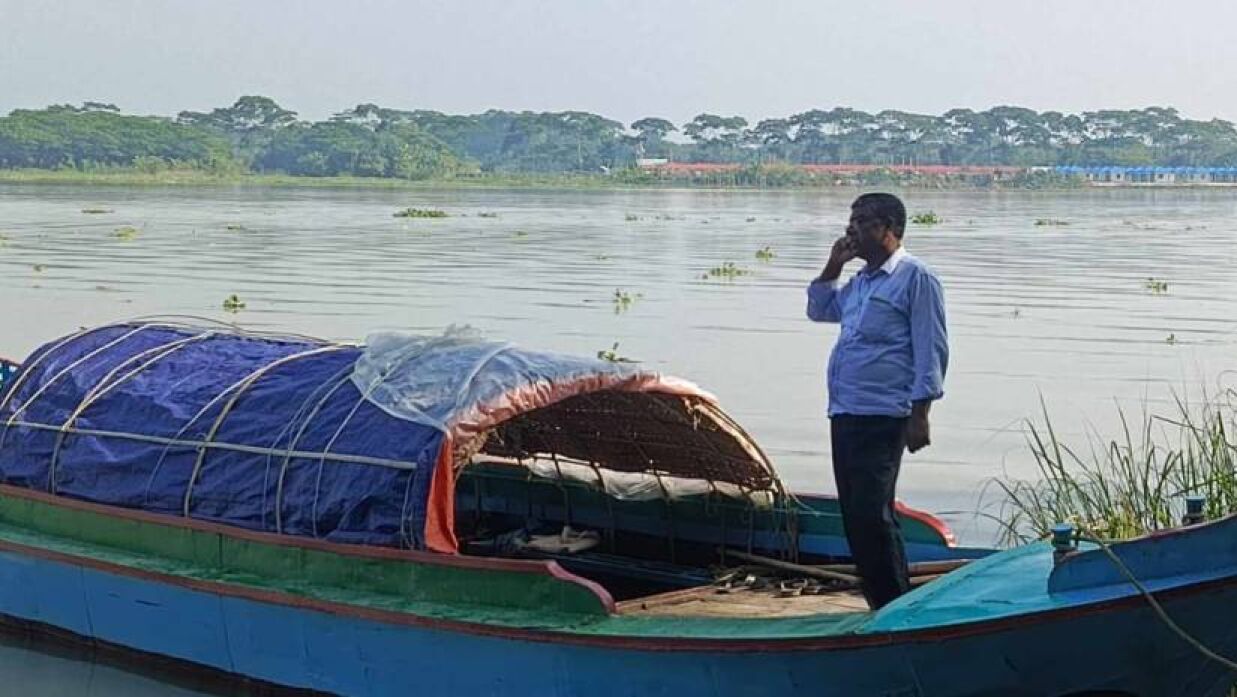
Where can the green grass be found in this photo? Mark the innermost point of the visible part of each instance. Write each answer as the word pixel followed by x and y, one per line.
pixel 201 178
pixel 765 253
pixel 127 232
pixel 1131 484
pixel 487 180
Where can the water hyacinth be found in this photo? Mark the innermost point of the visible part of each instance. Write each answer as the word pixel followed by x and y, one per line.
pixel 623 300
pixel 727 271
pixel 420 213
pixel 612 355
pixel 233 303
pixel 1156 286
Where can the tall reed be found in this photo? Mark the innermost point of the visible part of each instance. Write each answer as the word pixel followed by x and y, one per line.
pixel 1132 484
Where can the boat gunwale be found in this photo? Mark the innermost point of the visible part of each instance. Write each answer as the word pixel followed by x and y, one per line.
pixel 927 519
pixel 539 567
pixel 597 640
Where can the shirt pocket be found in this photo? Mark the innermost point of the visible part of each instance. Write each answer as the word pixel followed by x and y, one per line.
pixel 883 318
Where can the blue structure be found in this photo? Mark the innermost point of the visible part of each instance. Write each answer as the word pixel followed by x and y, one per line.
pixel 1116 174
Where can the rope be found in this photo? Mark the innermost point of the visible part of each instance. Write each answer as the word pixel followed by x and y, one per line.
pixel 17 411
pixel 217 445
pixel 36 361
pixel 239 390
pixel 1159 609
pixel 105 385
pixel 345 379
pixel 299 423
pixel 196 322
pixel 326 450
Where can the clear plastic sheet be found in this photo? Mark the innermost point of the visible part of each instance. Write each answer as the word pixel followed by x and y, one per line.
pixel 445 380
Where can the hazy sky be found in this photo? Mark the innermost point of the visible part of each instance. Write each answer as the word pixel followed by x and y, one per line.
pixel 670 58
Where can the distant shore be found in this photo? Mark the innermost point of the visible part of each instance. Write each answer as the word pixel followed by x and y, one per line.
pixel 204 178
pixel 196 178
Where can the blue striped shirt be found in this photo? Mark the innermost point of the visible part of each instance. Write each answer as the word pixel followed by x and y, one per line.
pixel 893 348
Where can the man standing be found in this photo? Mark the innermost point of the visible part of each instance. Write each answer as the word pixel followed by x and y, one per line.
pixel 885 371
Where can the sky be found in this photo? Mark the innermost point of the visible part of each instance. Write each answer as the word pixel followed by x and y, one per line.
pixel 625 60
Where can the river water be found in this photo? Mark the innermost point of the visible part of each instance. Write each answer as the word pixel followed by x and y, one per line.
pixel 1063 313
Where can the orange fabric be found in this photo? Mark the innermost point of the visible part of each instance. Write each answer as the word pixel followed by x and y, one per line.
pixel 440 506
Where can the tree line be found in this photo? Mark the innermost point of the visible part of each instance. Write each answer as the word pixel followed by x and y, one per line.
pixel 256 134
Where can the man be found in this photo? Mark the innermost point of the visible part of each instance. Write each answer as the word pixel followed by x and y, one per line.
pixel 885 371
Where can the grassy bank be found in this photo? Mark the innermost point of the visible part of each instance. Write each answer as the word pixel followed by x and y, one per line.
pixel 195 178
pixel 1131 484
pixel 757 179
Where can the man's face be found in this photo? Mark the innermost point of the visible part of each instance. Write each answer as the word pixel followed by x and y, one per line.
pixel 867 233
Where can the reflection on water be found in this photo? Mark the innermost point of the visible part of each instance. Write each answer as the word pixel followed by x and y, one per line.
pixel 45 668
pixel 1058 311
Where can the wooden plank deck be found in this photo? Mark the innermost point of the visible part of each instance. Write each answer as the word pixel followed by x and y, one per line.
pixel 707 601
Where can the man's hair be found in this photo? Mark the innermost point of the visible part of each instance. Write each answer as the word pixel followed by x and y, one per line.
pixel 886 209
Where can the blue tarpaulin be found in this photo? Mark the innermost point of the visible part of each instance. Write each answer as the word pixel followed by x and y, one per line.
pixel 287 435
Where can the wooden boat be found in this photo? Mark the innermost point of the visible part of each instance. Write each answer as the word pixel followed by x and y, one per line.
pixel 450 516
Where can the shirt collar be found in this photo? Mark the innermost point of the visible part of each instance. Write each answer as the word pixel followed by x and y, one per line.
pixel 894 259
pixel 892 262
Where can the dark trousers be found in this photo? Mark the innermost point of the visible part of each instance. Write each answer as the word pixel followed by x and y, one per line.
pixel 867 453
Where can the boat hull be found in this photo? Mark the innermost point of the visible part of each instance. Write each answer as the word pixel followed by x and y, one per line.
pixel 294 642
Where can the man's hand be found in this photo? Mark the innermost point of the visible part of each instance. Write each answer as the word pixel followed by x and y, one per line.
pixel 842 252
pixel 918 433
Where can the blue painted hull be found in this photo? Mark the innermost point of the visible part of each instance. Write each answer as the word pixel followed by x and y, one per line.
pixel 1122 647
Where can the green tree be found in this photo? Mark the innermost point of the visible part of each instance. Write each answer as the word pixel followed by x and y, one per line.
pixel 250 123
pixel 85 138
pixel 717 138
pixel 337 147
pixel 772 138
pixel 650 138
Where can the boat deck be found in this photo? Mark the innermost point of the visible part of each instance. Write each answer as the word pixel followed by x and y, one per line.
pixel 709 601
